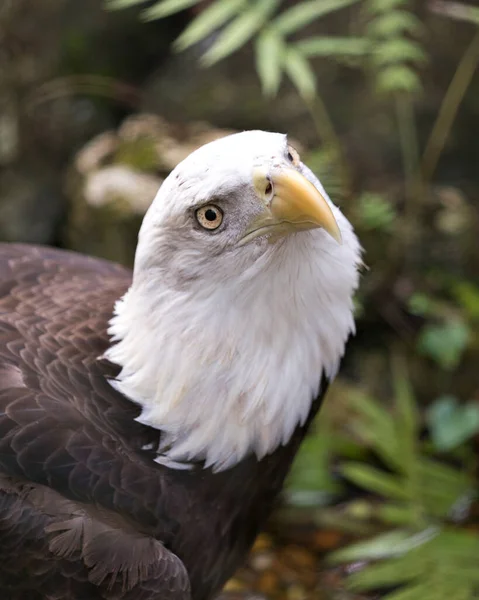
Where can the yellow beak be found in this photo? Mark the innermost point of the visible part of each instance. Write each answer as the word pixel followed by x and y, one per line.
pixel 295 205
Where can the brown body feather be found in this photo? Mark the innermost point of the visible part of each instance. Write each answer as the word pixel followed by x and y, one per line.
pixel 85 512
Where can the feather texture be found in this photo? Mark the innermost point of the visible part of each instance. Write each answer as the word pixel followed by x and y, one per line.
pixel 85 511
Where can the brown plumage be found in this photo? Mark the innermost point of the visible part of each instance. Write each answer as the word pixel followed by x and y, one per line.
pixel 85 512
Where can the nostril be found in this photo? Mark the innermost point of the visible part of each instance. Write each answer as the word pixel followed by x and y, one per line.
pixel 269 188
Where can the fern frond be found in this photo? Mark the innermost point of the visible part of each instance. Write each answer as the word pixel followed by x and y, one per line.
pixel 375 480
pixel 392 24
pixel 416 487
pixel 211 19
pixel 269 60
pixel 396 55
pixel 398 50
pixel 240 30
pixel 300 72
pixel 398 78
pixel 432 565
pixel 167 8
pixel 328 46
pixel 305 13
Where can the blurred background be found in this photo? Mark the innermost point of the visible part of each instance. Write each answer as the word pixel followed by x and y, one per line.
pixel 100 100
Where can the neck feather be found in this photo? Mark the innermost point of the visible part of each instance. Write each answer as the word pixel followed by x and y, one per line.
pixel 225 371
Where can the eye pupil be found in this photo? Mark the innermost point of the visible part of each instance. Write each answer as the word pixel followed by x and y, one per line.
pixel 209 217
pixel 290 157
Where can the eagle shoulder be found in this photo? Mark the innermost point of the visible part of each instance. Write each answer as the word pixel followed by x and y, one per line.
pixel 70 437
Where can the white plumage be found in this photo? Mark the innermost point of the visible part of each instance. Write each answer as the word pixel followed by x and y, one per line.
pixel 223 344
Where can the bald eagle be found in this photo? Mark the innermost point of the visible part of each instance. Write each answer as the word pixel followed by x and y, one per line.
pixel 148 419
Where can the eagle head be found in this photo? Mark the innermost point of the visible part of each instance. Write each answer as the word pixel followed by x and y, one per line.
pixel 241 300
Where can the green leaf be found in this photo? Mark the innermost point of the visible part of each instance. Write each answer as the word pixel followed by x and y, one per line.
pixel 385 545
pixel 434 589
pixel 212 18
pixel 431 565
pixel 269 55
pixel 444 343
pixel 374 480
pixel 310 471
pixel 304 13
pixel 451 424
pixel 299 71
pixel 396 514
pixel 420 304
pixel 441 487
pixel 375 212
pixel 463 545
pixel 333 46
pixel 398 50
pixel 120 4
pixel 384 6
pixel 398 78
pixel 407 422
pixel 240 31
pixel 376 427
pixel 467 294
pixel 395 23
pixel 385 574
pixel 167 8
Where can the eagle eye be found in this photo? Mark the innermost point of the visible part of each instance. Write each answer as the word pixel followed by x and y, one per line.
pixel 209 217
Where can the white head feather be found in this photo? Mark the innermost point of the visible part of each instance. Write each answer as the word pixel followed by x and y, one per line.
pixel 224 345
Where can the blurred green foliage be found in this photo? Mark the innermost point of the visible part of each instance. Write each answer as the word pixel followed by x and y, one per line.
pixel 385 44
pixel 444 342
pixel 376 212
pixel 452 424
pixel 418 500
pixel 433 564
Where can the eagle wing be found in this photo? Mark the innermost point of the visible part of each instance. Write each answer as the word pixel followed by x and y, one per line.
pixel 52 549
pixel 69 445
